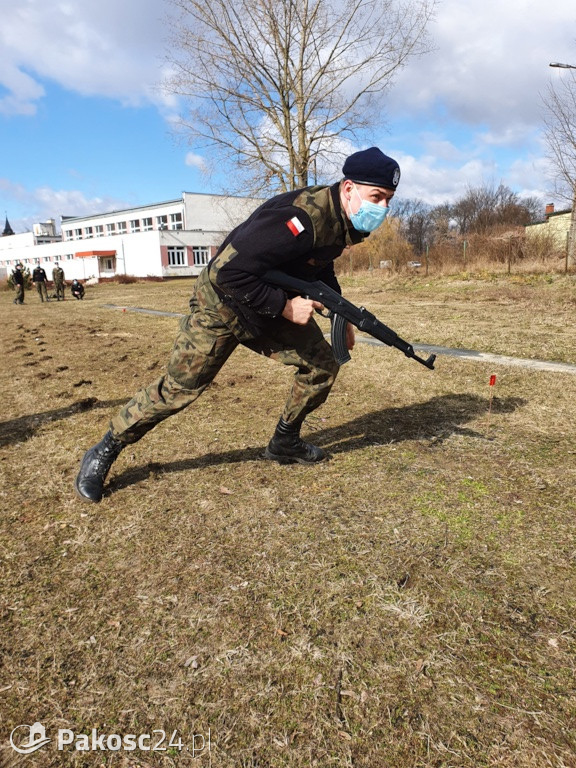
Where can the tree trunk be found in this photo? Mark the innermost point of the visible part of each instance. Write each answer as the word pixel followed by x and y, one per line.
pixel 571 256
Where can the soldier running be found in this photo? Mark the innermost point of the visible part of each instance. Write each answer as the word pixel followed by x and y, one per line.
pixel 300 232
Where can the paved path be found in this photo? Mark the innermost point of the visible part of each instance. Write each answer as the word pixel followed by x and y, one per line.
pixel 465 354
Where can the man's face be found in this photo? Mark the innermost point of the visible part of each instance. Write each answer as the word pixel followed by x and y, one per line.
pixel 355 193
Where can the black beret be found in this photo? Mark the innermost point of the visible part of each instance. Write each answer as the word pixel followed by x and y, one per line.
pixel 372 166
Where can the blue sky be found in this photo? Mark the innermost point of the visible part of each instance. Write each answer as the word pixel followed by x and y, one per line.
pixel 84 129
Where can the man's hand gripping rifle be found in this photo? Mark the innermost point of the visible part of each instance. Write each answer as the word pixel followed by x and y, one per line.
pixel 341 311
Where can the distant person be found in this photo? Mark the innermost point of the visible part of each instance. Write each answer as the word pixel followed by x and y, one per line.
pixel 39 279
pixel 58 278
pixel 77 289
pixel 19 280
pixel 301 232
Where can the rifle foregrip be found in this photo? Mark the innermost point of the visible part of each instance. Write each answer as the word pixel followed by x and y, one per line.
pixel 338 339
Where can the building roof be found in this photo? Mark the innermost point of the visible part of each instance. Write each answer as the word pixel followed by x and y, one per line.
pixel 71 219
pixel 7 229
pixel 559 213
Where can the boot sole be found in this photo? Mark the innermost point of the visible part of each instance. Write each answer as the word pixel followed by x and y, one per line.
pixel 291 459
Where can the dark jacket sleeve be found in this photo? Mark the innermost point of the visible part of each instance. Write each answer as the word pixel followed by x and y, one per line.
pixel 328 276
pixel 273 238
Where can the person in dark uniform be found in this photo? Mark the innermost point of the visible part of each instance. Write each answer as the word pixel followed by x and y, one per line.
pixel 39 279
pixel 77 289
pixel 300 232
pixel 19 281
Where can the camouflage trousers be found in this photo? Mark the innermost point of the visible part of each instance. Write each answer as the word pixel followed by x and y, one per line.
pixel 42 291
pixel 59 290
pixel 206 339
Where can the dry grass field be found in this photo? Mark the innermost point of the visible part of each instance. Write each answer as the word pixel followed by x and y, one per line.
pixel 410 603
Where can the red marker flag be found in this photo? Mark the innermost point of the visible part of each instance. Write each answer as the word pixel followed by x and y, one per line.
pixel 492 382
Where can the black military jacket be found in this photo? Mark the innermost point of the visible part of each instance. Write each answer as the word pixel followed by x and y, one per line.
pixel 300 232
pixel 39 275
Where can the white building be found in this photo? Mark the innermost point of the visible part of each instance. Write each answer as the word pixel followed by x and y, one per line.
pixel 172 239
pixel 556 225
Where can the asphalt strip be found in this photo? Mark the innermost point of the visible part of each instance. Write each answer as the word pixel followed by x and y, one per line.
pixel 464 354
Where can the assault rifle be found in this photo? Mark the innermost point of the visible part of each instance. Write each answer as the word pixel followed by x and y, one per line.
pixel 341 312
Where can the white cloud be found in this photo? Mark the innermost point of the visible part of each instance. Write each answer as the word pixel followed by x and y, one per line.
pixel 95 49
pixel 469 113
pixel 490 63
pixel 196 161
pixel 437 179
pixel 22 91
pixel 464 105
pixel 510 136
pixel 432 182
pixel 44 203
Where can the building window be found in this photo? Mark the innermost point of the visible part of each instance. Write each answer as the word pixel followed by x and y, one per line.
pixel 201 255
pixel 68 234
pixel 162 222
pixel 122 227
pixel 108 264
pixel 110 229
pixel 176 256
pixel 77 234
pixel 69 256
pixel 147 225
pixel 175 221
pixel 99 230
pixel 89 232
pixel 135 225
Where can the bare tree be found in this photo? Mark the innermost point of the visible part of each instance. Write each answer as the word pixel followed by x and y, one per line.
pixel 279 88
pixel 483 208
pixel 560 134
pixel 416 223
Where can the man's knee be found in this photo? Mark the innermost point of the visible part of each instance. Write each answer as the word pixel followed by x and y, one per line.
pixel 323 364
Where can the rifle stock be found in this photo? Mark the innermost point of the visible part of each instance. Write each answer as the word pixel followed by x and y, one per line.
pixel 341 312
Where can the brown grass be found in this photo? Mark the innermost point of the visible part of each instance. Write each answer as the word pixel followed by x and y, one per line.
pixel 408 604
pixel 502 251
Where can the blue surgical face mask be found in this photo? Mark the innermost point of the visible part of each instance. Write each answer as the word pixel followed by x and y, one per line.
pixel 369 216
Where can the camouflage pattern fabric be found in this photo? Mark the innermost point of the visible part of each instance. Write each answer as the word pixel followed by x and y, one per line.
pixel 206 339
pixel 328 229
pixel 58 278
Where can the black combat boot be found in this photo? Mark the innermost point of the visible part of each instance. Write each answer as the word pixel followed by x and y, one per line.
pixel 95 466
pixel 287 447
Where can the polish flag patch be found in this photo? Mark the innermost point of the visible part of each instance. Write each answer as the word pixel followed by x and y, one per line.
pixel 295 226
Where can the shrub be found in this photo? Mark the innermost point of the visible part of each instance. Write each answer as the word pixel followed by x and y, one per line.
pixel 385 245
pixel 125 279
pixel 27 280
